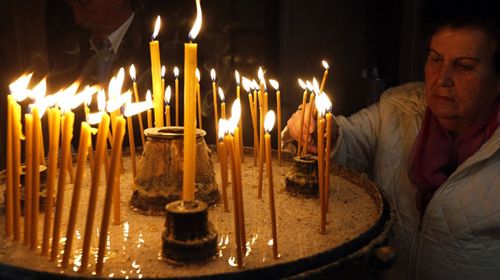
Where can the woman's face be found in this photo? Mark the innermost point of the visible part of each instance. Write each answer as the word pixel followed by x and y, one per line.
pixel 460 78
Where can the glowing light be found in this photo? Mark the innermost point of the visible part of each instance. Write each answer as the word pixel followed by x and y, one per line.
pixel 221 95
pixel 260 74
pixel 325 64
pixel 101 100
pixel 94 118
pixel 274 84
pixel 309 86
pixel 222 128
pixel 38 92
pixel 163 71
pixel 315 86
pixel 255 85
pixel 321 104
pixel 302 84
pixel 157 28
pixel 197 23
pixel 269 121
pixel 237 76
pixel 176 72
pixel 212 74
pixel 236 110
pixel 168 94
pixel 116 103
pixel 247 84
pixel 149 98
pixel 18 88
pixel 131 71
pixel 197 73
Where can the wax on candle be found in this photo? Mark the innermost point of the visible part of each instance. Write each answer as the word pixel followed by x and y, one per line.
pixel 54 116
pixel 136 96
pixel 214 94
pixel 75 200
pixel 321 161
pixel 110 188
pixel 269 123
pixel 247 85
pixel 67 121
pixel 96 173
pixel 222 104
pixel 240 125
pixel 168 94
pixel 325 74
pixel 276 86
pixel 176 74
pixel 130 131
pixel 9 202
pixel 16 163
pixel 154 48
pixel 235 116
pixel 28 177
pixel 327 160
pixel 222 154
pixel 308 122
pixel 163 72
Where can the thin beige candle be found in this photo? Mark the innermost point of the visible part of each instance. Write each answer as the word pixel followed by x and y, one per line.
pixel 269 123
pixel 67 121
pixel 168 94
pixel 216 110
pixel 131 142
pixel 222 104
pixel 240 124
pixel 276 86
pixel 321 170
pixel 35 196
pixel 254 125
pixel 163 72
pixel 261 144
pixel 54 116
pixel 110 188
pixel 149 114
pixel 75 200
pixel 96 173
pixel 222 154
pixel 309 118
pixel 329 122
pixel 16 162
pixel 9 202
pixel 28 177
pixel 136 96
pixel 304 100
pixel 198 98
pixel 325 75
pixel 239 192
pixel 154 48
pixel 176 74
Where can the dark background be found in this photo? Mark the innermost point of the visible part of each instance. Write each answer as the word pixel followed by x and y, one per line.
pixel 289 38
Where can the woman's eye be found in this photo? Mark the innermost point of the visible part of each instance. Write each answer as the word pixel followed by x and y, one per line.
pixel 434 58
pixel 466 66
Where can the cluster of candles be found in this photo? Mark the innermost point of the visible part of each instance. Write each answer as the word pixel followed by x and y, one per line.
pixel 111 128
pixel 59 108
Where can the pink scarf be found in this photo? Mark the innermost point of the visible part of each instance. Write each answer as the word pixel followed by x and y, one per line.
pixel 436 154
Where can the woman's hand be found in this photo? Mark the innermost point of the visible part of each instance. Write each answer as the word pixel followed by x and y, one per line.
pixel 294 128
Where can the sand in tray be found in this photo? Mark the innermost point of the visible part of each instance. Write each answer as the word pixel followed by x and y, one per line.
pixel 134 247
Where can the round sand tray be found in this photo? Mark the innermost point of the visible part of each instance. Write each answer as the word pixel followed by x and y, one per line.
pixel 357 222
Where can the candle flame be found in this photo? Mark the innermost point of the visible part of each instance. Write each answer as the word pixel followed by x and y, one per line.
pixel 315 86
pixel 65 101
pixel 222 129
pixel 309 86
pixel 94 118
pixel 232 123
pixel 197 74
pixel 18 88
pixel 101 100
pixel 237 77
pixel 221 95
pixel 135 108
pixel 212 74
pixel 269 121
pixel 168 94
pixel 255 85
pixel 84 96
pixel 260 74
pixel 149 98
pixel 321 104
pixel 131 71
pixel 38 92
pixel 325 64
pixel 163 71
pixel 197 23
pixel 274 84
pixel 236 110
pixel 120 77
pixel 247 84
pixel 157 28
pixel 302 84
pixel 116 103
pixel 328 103
pixel 176 72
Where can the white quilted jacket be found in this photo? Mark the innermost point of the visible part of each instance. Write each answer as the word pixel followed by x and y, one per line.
pixel 459 235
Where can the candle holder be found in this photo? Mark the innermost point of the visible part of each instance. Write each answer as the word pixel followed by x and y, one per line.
pixel 188 236
pixel 159 174
pixel 302 179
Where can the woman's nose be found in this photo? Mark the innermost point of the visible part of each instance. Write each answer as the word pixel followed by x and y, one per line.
pixel 446 76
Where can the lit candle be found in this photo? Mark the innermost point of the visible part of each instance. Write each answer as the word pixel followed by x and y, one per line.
pixel 150 117
pixel 70 93
pixel 240 125
pixel 110 188
pixel 168 94
pixel 190 61
pixel 154 48
pixel 96 174
pixel 16 165
pixel 329 123
pixel 9 202
pixel 28 177
pixel 321 161
pixel 325 74
pixel 247 85
pixel 136 96
pixel 262 109
pixel 214 94
pixel 269 123
pixel 75 200
pixel 222 154
pixel 54 116
pixel 311 113
pixel 198 97
pixel 67 121
pixel 35 195
pixel 276 86
pixel 304 99
pixel 176 74
pixel 163 72
pixel 222 103
pixel 131 142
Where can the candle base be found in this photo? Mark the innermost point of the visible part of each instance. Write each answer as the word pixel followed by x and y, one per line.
pixel 302 179
pixel 188 236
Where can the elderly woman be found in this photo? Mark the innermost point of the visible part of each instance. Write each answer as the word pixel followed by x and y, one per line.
pixel 433 149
